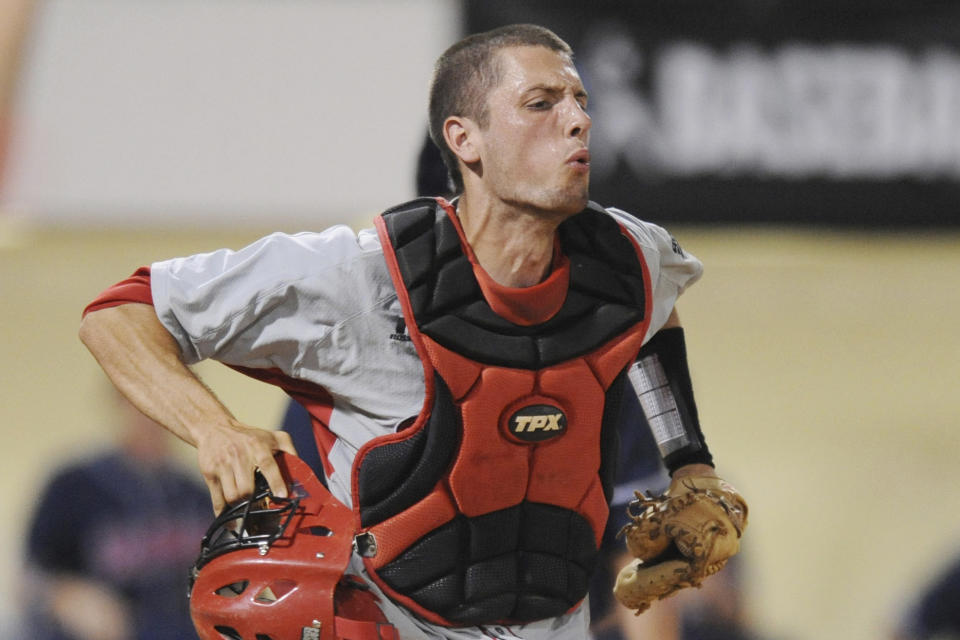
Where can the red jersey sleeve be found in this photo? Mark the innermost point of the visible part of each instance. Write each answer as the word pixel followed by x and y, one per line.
pixel 136 288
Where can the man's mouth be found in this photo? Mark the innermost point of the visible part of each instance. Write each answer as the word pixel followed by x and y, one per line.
pixel 580 158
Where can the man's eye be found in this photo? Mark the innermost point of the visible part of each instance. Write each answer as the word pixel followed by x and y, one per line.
pixel 539 104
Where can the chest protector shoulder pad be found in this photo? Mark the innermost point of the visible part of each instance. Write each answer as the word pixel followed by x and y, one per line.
pixel 490 506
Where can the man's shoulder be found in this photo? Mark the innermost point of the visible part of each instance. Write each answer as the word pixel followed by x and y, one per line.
pixel 337 254
pixel 320 262
pixel 338 235
pixel 617 213
pixel 644 231
pixel 305 252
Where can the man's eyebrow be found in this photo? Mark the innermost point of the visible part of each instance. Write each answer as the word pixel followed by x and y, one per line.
pixel 553 89
pixel 548 88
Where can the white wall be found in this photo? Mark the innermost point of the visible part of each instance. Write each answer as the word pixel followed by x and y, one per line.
pixel 204 111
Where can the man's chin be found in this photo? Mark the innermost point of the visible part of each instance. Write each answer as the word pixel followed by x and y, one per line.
pixel 572 199
pixel 576 203
pixel 560 211
pixel 557 204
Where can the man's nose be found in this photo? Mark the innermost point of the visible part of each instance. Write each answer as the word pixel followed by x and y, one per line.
pixel 578 122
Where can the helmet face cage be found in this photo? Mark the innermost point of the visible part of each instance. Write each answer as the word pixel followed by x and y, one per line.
pixel 269 567
pixel 257 522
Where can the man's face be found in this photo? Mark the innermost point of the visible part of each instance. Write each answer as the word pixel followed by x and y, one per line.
pixel 533 151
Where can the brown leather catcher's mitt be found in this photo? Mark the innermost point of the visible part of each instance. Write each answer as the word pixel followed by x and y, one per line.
pixel 679 538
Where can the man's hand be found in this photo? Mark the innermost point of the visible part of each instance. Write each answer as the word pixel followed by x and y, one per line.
pixel 228 458
pixel 143 361
pixel 679 538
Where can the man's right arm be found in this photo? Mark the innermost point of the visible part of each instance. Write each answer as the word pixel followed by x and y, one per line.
pixel 143 361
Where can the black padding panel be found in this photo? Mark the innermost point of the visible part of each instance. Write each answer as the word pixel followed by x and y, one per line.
pixel 519 564
pixel 397 475
pixel 477 343
pixel 418 219
pixel 581 549
pixel 435 555
pixel 449 290
pixel 533 606
pixel 392 461
pixel 546 529
pixel 544 574
pixel 609 436
pixel 605 298
pixel 495 533
pixel 417 263
pixel 441 594
pixel 595 331
pixel 491 577
pixel 498 607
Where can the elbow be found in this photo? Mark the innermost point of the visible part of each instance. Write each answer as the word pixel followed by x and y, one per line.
pixel 100 328
pixel 90 330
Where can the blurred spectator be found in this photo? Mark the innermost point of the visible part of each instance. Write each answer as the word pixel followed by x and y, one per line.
pixel 936 613
pixel 112 540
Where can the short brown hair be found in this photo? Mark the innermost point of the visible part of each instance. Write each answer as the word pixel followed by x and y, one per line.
pixel 468 71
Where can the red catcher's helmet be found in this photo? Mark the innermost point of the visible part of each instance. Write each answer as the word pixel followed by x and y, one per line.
pixel 269 568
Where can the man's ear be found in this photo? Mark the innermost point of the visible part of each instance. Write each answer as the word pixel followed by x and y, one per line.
pixel 462 136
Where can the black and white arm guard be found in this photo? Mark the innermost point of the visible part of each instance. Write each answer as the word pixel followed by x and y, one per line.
pixel 661 378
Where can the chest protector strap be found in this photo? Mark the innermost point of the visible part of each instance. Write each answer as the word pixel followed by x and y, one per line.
pixel 490 506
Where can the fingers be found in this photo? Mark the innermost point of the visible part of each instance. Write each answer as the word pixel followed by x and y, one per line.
pixel 229 458
pixel 270 469
pixel 244 483
pixel 271 473
pixel 216 494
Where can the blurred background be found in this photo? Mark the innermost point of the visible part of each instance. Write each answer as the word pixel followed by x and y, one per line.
pixel 807 152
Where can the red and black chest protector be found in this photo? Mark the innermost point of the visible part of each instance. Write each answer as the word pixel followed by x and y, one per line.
pixel 491 505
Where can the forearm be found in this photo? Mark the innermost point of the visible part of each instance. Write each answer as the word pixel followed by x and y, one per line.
pixel 142 360
pixel 661 380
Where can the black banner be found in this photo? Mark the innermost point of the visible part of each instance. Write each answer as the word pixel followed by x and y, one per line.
pixel 832 113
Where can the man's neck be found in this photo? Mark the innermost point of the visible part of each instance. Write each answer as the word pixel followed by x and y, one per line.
pixel 514 246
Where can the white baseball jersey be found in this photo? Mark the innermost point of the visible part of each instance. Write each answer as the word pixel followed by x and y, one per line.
pixel 321 307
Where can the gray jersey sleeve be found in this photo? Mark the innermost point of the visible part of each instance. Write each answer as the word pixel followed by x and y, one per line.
pixel 672 269
pixel 263 305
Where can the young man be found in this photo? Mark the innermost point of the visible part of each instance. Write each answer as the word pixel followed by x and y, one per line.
pixel 463 363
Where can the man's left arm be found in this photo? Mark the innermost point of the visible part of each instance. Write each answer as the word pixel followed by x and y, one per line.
pixel 690 532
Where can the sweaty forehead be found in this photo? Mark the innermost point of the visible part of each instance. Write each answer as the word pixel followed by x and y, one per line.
pixel 522 68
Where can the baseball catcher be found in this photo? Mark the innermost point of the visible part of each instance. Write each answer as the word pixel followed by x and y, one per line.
pixel 679 538
pixel 464 364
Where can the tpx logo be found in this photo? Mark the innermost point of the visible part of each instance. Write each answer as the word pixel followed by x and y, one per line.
pixel 537 422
